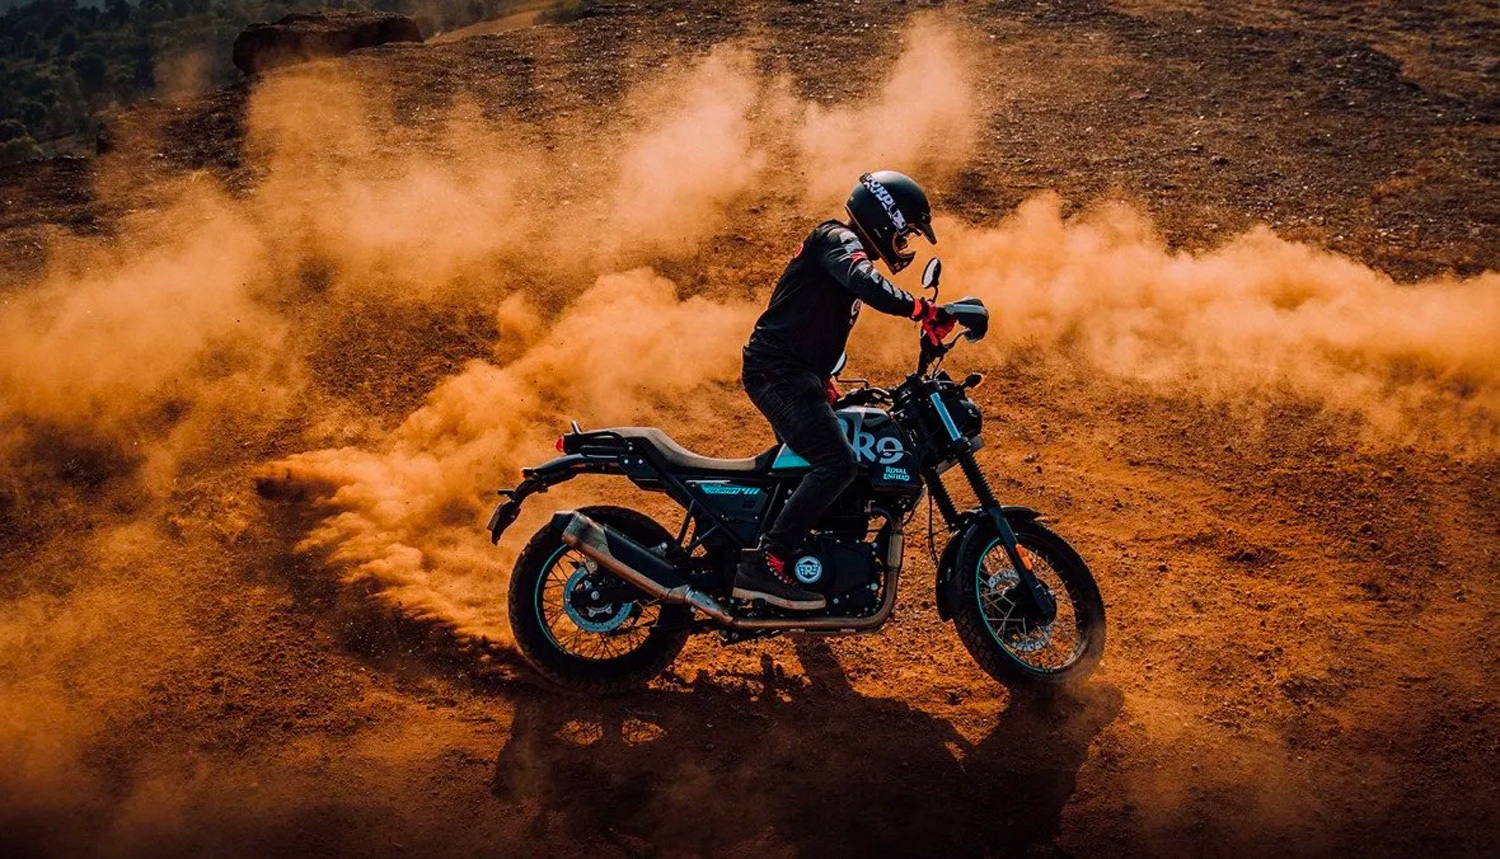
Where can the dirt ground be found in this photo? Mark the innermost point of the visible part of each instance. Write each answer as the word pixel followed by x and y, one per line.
pixel 1300 660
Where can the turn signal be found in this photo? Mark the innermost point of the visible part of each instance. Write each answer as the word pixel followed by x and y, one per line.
pixel 1025 555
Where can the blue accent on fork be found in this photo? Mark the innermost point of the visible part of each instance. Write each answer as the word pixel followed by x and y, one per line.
pixel 942 410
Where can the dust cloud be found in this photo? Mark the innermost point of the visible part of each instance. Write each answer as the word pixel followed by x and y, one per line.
pixel 679 175
pixel 929 96
pixel 1258 316
pixel 409 508
pixel 176 353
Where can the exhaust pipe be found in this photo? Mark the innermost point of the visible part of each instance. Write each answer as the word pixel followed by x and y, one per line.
pixel 635 564
pixel 659 579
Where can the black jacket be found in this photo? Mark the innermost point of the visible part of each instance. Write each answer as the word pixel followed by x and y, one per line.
pixel 817 300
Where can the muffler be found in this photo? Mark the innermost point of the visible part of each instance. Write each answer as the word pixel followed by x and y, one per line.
pixel 634 563
pixel 659 579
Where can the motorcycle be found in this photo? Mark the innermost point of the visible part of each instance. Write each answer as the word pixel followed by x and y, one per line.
pixel 603 598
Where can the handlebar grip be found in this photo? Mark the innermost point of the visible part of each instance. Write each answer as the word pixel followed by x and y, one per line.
pixel 862 397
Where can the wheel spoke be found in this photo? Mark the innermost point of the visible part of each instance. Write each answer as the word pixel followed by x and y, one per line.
pixel 562 621
pixel 1047 647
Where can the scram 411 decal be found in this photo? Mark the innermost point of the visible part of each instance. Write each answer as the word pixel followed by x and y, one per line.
pixel 728 489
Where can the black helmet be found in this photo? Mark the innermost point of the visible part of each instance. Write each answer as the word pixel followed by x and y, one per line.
pixel 886 208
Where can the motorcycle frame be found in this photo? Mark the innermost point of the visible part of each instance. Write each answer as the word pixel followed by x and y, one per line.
pixel 633 461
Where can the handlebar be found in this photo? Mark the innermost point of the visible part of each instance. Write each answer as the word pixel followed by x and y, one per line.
pixel 931 352
pixel 971 315
pixel 863 397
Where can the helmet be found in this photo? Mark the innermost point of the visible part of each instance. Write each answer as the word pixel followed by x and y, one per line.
pixel 886 208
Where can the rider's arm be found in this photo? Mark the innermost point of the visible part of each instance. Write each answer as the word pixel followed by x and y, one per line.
pixel 845 258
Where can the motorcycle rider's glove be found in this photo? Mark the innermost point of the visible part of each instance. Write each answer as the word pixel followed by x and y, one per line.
pixel 831 390
pixel 937 323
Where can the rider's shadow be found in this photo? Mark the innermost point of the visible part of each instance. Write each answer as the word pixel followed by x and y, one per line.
pixel 819 767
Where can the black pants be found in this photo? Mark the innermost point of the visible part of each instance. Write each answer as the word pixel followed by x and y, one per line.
pixel 794 402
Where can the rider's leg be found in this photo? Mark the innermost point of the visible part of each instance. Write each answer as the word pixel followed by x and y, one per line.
pixel 798 409
pixel 794 403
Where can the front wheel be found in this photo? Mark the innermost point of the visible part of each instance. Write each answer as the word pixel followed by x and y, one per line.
pixel 1004 636
pixel 570 625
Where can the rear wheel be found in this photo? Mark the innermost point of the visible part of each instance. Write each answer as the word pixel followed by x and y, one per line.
pixel 1009 641
pixel 578 625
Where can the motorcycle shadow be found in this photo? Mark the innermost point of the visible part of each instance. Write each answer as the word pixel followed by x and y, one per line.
pixel 817 768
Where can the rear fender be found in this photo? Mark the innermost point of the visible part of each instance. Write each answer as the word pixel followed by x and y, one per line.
pixel 973 525
pixel 543 477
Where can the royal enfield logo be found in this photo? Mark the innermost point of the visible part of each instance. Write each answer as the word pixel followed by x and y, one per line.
pixel 808 569
pixel 886 200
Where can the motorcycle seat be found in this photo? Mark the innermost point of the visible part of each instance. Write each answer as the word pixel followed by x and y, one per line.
pixel 678 458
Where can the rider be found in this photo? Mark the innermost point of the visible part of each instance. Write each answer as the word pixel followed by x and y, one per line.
pixel 797 341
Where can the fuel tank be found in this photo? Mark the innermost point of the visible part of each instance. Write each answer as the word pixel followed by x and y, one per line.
pixel 886 457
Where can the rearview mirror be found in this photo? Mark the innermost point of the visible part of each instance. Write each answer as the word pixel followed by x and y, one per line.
pixel 931 273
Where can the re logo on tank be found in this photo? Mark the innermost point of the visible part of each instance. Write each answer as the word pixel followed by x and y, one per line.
pixel 868 448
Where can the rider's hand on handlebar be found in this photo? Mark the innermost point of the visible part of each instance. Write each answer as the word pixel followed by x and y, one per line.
pixel 937 323
pixel 831 390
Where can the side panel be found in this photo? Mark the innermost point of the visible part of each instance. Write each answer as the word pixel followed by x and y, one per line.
pixel 738 505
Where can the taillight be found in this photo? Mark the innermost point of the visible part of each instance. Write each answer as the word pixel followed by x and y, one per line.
pixel 559 444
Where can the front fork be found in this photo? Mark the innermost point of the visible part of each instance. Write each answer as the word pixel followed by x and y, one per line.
pixel 1042 600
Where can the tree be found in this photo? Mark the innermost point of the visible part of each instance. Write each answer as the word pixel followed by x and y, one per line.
pixel 117 12
pixel 11 129
pixel 144 74
pixel 92 70
pixel 63 20
pixel 33 113
pixel 19 149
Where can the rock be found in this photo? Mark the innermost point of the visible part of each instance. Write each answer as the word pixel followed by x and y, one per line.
pixel 303 36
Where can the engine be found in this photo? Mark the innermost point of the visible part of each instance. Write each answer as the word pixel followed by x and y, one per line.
pixel 848 572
